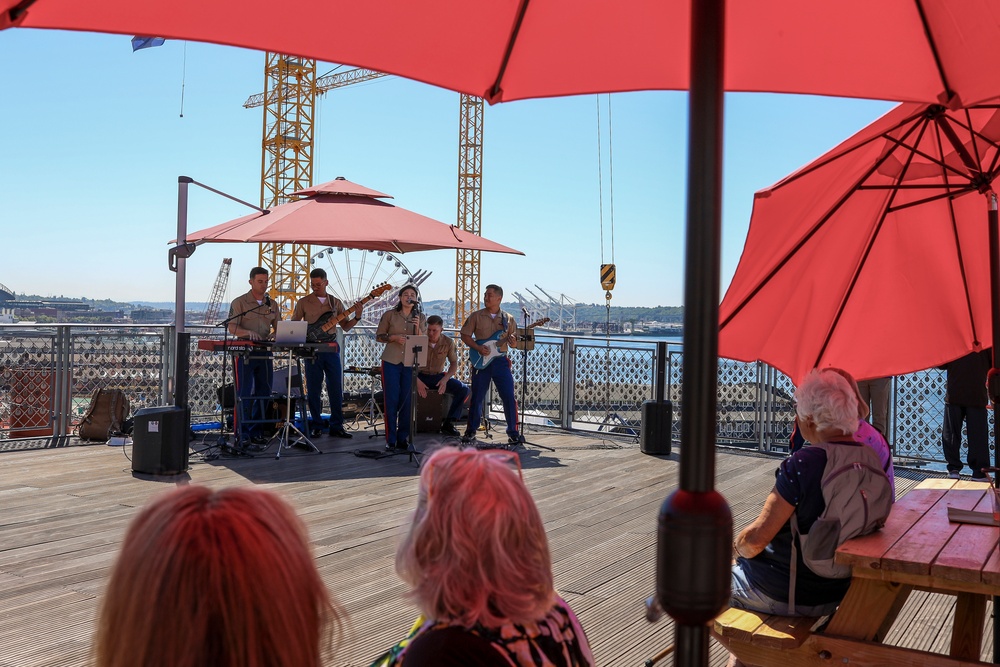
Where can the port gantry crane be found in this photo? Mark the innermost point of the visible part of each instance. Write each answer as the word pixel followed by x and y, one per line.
pixel 289 99
pixel 218 292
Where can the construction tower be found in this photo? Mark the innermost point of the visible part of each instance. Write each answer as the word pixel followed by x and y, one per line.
pixel 218 292
pixel 470 203
pixel 287 166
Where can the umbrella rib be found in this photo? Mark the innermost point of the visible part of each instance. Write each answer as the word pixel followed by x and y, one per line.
pixel 822 221
pixel 497 88
pixel 870 243
pixel 958 248
pixel 950 195
pixel 948 95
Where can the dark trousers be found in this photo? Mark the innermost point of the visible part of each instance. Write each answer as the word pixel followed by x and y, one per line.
pixel 253 381
pixel 976 427
pixel 396 386
pixel 325 365
pixel 499 373
pixel 458 390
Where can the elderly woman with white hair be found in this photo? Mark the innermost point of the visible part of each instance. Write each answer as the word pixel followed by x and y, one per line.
pixel 477 559
pixel 826 412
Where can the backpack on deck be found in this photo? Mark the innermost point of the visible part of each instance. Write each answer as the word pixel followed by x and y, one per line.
pixel 105 416
pixel 858 498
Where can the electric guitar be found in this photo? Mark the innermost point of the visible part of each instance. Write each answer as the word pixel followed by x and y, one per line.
pixel 324 328
pixel 481 361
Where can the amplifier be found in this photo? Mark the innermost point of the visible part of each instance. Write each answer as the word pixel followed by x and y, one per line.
pixel 160 441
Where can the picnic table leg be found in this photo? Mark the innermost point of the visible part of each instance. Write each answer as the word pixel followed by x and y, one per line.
pixel 869 607
pixel 967 634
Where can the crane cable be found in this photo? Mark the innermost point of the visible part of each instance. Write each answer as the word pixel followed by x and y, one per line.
pixel 607 270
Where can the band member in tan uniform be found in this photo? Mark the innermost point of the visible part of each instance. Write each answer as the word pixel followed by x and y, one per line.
pixel 481 325
pixel 327 363
pixel 396 324
pixel 255 317
pixel 434 377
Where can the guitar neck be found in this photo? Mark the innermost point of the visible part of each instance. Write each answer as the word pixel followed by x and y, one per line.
pixel 337 319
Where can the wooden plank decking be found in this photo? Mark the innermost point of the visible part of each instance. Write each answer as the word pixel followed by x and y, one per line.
pixel 63 512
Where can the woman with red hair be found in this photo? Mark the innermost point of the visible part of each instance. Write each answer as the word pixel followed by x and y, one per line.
pixel 216 579
pixel 477 558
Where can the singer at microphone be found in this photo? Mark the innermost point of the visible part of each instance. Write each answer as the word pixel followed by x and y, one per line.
pixel 396 324
pixel 254 317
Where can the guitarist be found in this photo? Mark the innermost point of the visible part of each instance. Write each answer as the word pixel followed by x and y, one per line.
pixel 311 308
pixel 480 326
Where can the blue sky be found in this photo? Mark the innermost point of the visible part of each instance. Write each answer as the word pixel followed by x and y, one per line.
pixel 94 142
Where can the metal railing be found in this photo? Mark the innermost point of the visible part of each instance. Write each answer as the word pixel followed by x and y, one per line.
pixel 48 374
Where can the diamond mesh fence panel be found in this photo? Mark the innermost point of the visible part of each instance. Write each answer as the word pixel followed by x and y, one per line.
pixel 128 360
pixel 541 391
pixel 27 385
pixel 611 384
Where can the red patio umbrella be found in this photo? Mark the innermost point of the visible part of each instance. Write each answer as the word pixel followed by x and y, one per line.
pixel 875 256
pixel 501 50
pixel 343 213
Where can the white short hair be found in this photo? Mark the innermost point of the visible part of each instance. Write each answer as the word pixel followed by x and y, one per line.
pixel 829 400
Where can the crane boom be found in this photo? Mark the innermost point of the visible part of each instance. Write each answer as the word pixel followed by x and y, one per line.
pixel 218 292
pixel 323 85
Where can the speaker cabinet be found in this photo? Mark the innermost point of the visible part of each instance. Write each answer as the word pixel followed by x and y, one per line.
pixel 160 441
pixel 656 431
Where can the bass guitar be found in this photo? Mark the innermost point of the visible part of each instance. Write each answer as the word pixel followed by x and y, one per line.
pixel 481 361
pixel 324 329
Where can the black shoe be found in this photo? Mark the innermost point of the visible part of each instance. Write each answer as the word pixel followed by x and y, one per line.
pixel 340 433
pixel 514 440
pixel 390 446
pixel 259 440
pixel 448 428
pixel 469 440
pixel 402 446
pixel 315 432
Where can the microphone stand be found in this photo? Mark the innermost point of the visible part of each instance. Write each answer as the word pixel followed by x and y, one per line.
pixel 521 440
pixel 411 449
pixel 223 440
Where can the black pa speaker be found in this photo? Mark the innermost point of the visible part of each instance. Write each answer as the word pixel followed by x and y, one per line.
pixel 160 441
pixel 657 429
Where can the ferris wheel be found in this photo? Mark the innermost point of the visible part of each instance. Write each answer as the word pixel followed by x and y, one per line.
pixel 353 274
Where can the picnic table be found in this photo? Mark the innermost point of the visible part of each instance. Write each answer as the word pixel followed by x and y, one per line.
pixel 917 549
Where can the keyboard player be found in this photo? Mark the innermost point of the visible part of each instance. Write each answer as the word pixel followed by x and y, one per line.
pixel 255 316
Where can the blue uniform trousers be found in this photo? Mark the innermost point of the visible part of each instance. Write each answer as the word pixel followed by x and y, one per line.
pixel 325 365
pixel 396 386
pixel 253 380
pixel 499 373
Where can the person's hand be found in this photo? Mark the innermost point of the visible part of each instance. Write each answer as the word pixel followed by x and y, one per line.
pixel 483 350
pixel 421 389
pixel 253 335
pixel 512 338
pixel 357 310
pixel 399 339
pixel 442 386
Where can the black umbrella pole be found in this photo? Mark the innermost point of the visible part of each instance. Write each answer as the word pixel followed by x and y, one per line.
pixel 695 523
pixel 994 231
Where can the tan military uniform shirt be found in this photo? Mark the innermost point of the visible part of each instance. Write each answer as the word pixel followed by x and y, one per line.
pixel 310 308
pixel 262 320
pixel 437 354
pixel 393 323
pixel 481 325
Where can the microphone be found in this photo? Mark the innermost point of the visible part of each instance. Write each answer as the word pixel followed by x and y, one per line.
pixel 267 300
pixel 524 310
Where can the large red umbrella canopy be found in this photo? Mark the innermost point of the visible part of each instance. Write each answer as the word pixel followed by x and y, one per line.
pixel 874 257
pixel 342 213
pixel 906 50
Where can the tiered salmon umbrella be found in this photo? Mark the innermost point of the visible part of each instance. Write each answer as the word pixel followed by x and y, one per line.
pixel 342 213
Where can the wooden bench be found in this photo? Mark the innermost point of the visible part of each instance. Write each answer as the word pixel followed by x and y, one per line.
pixel 738 626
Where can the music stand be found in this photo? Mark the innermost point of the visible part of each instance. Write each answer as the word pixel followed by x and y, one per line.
pixel 414 356
pixel 289 399
pixel 525 343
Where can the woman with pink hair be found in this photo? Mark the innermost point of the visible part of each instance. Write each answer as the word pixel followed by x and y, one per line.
pixel 216 579
pixel 478 560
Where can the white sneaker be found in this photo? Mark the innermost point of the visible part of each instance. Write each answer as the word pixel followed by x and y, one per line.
pixel 954 474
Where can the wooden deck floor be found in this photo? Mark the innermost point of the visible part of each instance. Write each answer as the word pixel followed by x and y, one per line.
pixel 63 512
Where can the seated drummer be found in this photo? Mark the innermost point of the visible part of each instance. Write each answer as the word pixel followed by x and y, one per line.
pixel 433 375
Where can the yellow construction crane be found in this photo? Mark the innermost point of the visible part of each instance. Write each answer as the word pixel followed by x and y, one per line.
pixel 289 100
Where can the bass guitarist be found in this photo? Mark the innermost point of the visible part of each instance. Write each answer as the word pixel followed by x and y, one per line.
pixel 479 328
pixel 312 308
